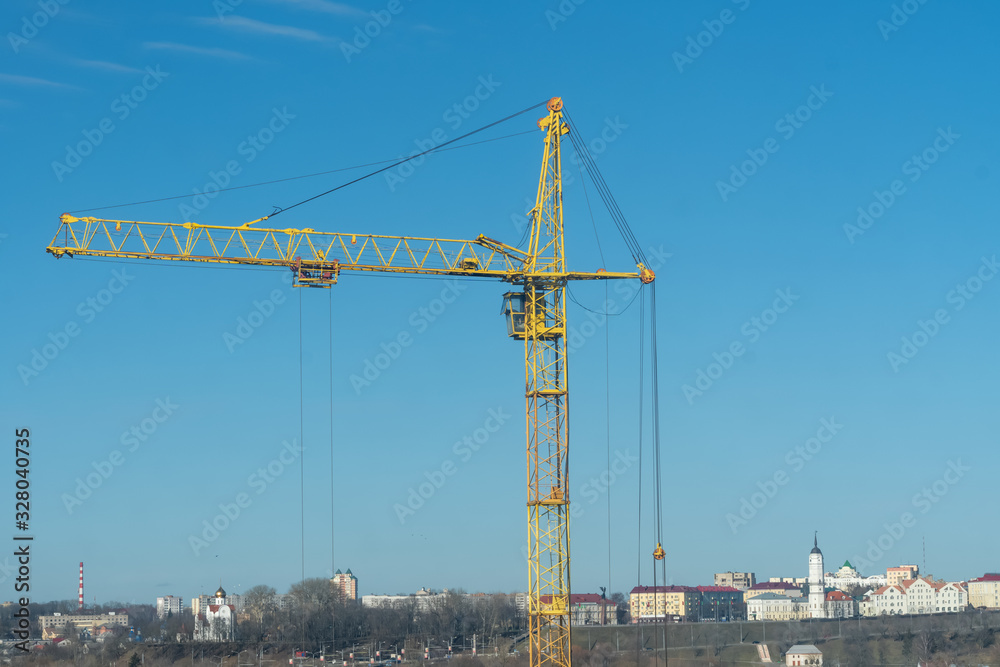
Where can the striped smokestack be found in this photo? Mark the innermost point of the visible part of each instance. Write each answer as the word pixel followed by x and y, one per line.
pixel 81 585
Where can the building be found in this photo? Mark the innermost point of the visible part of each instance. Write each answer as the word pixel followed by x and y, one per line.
pixel 200 603
pixel 897 575
pixel 840 605
pixel 721 603
pixel 58 624
pixel 423 600
pixel 798 581
pixel 741 580
pixel 984 592
pixel 775 607
pixel 847 577
pixel 817 582
pixel 588 609
pixel 776 587
pixel 922 595
pixel 803 654
pixel 347 584
pixel 169 605
pixel 652 604
pixel 216 620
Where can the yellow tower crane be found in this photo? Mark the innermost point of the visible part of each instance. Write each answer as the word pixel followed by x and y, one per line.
pixel 536 314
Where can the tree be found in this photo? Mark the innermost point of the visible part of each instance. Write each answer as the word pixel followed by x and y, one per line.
pixel 857 591
pixel 260 606
pixel 906 639
pixel 857 650
pixel 926 645
pixel 621 608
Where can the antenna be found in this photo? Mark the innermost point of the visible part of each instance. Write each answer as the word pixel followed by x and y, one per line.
pixel 81 587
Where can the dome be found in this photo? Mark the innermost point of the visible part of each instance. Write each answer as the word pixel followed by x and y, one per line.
pixel 220 593
pixel 815 549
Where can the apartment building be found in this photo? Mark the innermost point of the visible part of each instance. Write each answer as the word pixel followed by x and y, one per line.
pixel 984 592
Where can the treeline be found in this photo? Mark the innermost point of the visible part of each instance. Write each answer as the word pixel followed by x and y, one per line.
pixel 318 617
pixel 315 618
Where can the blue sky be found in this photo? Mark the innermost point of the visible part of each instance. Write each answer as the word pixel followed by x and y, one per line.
pixel 815 183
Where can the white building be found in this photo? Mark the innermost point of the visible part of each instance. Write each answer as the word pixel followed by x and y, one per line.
pixel 803 654
pixel 199 603
pixel 775 607
pixel 817 583
pixel 423 600
pixel 216 621
pixel 167 605
pixel 840 605
pixel 922 595
pixel 847 576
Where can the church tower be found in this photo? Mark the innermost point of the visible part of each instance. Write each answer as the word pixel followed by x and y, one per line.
pixel 817 585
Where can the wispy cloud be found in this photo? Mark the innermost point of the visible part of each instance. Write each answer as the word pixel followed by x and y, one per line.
pixel 32 81
pixel 197 50
pixel 324 6
pixel 243 24
pixel 101 64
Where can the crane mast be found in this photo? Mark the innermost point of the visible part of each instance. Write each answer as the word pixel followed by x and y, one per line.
pixel 536 315
pixel 546 398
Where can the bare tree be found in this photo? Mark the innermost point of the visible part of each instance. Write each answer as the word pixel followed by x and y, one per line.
pixel 925 645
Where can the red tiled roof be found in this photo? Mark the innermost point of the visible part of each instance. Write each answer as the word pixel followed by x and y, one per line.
pixel 837 596
pixel 989 576
pixel 717 589
pixel 886 588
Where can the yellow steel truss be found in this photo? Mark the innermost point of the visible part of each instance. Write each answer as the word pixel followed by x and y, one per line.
pixel 546 394
pixel 317 258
